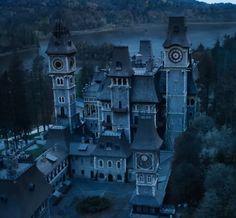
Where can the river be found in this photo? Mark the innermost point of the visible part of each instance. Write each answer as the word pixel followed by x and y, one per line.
pixel 207 34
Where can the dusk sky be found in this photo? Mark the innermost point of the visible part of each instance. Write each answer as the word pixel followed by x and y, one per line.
pixel 218 1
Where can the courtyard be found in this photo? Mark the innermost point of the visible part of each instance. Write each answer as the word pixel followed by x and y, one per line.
pixel 118 193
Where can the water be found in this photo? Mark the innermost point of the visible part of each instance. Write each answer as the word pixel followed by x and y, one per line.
pixel 207 34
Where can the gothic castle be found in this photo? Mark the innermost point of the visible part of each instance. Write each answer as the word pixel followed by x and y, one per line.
pixel 131 109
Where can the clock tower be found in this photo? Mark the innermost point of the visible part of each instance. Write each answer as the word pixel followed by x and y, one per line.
pixel 177 64
pixel 61 53
pixel 146 156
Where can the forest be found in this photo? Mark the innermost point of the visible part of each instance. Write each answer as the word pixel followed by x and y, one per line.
pixel 27 99
pixel 203 171
pixel 23 22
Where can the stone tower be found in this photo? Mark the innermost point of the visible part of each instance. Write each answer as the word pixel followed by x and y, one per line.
pixel 62 65
pixel 120 75
pixel 177 64
pixel 146 154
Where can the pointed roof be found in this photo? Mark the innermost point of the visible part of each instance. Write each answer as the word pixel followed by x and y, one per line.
pixel 60 42
pixel 112 144
pixel 146 138
pixel 24 195
pixel 177 33
pixel 145 49
pixel 121 65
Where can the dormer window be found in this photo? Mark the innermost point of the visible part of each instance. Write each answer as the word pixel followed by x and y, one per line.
pixel 118 65
pixel 108 146
pixel 69 43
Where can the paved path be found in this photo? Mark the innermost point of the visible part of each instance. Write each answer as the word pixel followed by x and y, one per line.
pixel 118 193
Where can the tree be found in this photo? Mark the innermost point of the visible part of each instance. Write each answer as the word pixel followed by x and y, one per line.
pixel 18 103
pixel 40 94
pixel 210 207
pixel 85 77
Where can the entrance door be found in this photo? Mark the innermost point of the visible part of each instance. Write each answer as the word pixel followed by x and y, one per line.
pixel 62 112
pixel 110 178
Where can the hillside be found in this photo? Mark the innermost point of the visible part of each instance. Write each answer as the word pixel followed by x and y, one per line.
pixel 23 20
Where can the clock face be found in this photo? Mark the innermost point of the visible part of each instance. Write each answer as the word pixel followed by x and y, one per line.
pixel 58 64
pixel 144 161
pixel 175 55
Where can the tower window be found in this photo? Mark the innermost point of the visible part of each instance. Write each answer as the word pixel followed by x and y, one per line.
pixel 141 178
pixel 149 179
pixel 108 119
pixel 60 81
pixel 118 65
pixel 61 100
pixel 119 81
pixel 120 104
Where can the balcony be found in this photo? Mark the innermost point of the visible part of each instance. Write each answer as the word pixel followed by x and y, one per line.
pixel 120 110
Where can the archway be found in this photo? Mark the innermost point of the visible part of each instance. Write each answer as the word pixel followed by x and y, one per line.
pixel 110 178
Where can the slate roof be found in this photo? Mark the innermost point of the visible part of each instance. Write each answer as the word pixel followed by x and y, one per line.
pixel 74 149
pixel 143 89
pixel 104 93
pixel 59 136
pixel 45 165
pixel 145 48
pixel 99 76
pixel 142 200
pixel 176 34
pixel 191 88
pixel 120 58
pixel 146 138
pixel 91 90
pixel 60 42
pixel 119 146
pixel 21 202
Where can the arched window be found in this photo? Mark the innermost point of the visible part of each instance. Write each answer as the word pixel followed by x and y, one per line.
pixel 141 178
pixel 119 177
pixel 149 179
pixel 60 81
pixel 118 164
pixel 100 163
pixel 101 176
pixel 109 163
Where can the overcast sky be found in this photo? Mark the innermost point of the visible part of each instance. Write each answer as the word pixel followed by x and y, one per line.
pixel 217 1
